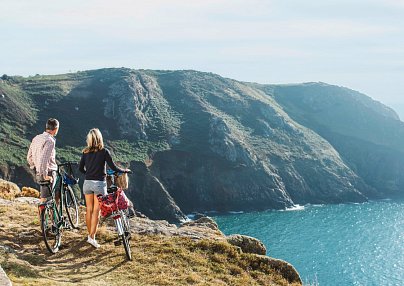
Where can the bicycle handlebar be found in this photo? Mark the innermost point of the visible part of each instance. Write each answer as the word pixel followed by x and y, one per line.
pixel 112 172
pixel 71 163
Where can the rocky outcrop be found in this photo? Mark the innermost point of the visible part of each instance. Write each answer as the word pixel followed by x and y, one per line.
pixel 197 230
pixel 247 244
pixel 4 280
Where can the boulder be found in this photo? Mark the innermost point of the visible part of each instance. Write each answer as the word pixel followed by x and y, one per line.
pixel 203 221
pixel 284 268
pixel 247 244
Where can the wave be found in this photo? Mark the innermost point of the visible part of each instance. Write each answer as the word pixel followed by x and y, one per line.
pixel 294 208
pixel 235 212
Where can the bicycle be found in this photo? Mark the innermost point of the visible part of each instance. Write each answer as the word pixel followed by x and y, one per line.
pixel 53 221
pixel 111 204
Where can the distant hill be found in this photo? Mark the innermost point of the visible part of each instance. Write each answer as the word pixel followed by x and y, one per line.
pixel 201 142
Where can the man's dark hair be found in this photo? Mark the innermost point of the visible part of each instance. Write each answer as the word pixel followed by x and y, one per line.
pixel 52 124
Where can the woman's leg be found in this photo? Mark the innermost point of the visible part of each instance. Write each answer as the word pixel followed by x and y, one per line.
pixel 89 211
pixel 95 217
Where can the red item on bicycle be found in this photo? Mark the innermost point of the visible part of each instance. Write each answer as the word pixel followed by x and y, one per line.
pixel 113 202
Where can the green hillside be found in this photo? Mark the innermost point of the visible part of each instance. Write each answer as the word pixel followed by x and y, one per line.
pixel 212 143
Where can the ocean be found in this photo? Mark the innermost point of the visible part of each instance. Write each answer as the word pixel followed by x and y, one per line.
pixel 345 244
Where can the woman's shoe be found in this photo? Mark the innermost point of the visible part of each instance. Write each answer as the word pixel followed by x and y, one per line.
pixel 93 242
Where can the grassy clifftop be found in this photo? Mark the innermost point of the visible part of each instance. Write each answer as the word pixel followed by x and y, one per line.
pixel 157 259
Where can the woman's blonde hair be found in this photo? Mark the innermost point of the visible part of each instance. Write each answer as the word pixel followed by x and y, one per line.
pixel 94 141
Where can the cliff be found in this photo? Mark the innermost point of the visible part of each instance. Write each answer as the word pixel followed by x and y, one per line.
pixel 212 143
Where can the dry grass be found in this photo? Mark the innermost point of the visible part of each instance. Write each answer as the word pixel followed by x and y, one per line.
pixel 29 192
pixel 157 260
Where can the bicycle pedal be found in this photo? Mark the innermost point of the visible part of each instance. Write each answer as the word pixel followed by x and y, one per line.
pixel 128 235
pixel 54 231
pixel 117 242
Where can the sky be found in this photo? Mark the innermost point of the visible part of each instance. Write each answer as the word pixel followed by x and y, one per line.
pixel 357 44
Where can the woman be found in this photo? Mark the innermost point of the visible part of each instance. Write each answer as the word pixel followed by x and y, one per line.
pixel 92 164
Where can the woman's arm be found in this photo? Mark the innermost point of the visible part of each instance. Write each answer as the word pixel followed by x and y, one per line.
pixel 111 163
pixel 81 165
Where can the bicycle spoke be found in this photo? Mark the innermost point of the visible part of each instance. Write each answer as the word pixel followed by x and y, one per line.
pixel 50 231
pixel 71 206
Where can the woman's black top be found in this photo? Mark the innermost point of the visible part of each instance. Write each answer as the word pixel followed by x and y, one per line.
pixel 92 164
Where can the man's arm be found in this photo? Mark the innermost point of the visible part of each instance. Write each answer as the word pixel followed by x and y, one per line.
pixel 29 157
pixel 46 155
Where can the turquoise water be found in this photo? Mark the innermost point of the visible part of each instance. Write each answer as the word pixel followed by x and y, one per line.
pixel 347 244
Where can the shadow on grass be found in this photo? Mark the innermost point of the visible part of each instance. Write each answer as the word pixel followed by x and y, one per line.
pixel 82 257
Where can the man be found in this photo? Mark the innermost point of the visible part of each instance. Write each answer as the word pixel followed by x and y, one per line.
pixel 41 156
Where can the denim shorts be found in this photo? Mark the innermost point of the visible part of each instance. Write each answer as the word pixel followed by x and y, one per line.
pixel 91 187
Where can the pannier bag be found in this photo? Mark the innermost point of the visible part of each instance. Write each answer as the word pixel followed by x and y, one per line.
pixel 69 179
pixel 113 202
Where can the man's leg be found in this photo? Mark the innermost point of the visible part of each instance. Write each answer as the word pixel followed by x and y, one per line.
pixel 45 192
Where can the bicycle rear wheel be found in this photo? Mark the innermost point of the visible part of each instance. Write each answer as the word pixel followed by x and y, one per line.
pixel 50 232
pixel 72 208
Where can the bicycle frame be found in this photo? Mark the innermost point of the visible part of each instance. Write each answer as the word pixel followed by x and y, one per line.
pixel 61 185
pixel 57 210
pixel 120 218
pixel 53 220
pixel 117 216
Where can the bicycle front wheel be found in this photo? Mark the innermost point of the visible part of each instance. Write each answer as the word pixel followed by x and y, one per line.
pixel 50 232
pixel 126 245
pixel 126 236
pixel 72 208
pixel 122 234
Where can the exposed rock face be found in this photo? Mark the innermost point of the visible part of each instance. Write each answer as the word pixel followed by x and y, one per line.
pixel 213 184
pixel 138 105
pixel 247 244
pixel 150 196
pixel 367 134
